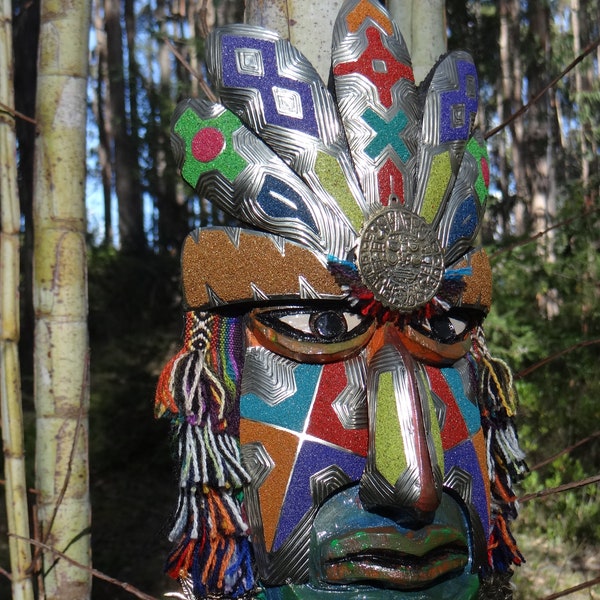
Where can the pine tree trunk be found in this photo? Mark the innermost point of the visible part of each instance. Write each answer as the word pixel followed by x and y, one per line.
pixel 511 90
pixel 125 165
pixel 61 387
pixel 101 108
pixel 11 411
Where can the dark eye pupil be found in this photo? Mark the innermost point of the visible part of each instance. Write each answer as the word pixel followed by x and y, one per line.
pixel 443 329
pixel 328 325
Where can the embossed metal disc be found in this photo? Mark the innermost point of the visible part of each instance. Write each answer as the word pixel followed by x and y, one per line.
pixel 400 258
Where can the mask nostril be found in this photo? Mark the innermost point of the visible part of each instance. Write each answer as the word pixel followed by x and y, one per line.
pixel 404 506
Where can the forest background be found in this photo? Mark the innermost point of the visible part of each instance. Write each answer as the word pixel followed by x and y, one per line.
pixel 541 232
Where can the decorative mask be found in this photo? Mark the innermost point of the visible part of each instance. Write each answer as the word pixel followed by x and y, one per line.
pixel 341 428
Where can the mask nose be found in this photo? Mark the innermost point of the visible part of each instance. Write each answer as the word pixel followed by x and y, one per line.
pixel 404 471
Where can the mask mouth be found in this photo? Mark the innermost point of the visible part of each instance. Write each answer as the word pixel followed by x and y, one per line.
pixel 393 559
pixel 366 549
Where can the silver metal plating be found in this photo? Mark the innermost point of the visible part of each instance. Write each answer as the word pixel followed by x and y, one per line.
pixel 351 405
pixel 268 375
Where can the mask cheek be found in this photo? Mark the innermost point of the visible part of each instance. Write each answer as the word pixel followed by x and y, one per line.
pixel 465 452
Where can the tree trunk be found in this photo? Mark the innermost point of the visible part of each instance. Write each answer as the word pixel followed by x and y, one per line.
pixel 540 158
pixel 511 95
pixel 26 27
pixel 11 411
pixel 102 113
pixel 125 165
pixel 61 386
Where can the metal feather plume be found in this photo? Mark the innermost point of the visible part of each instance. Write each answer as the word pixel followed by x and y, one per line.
pixel 325 168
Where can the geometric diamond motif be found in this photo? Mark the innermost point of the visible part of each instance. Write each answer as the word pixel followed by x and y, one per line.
pixel 249 62
pixel 379 66
pixel 461 482
pixel 458 115
pixel 288 102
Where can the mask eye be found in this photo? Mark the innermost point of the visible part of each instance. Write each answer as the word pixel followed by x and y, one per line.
pixel 442 339
pixel 311 334
pixel 448 329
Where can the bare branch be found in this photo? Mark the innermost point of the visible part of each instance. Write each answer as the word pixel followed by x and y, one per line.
pixel 78 426
pixel 588 50
pixel 208 92
pixel 15 113
pixel 534 367
pixel 572 590
pixel 99 574
pixel 561 488
pixel 585 213
pixel 565 451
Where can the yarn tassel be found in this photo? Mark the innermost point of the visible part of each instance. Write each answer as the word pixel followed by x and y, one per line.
pixel 198 389
pixel 505 458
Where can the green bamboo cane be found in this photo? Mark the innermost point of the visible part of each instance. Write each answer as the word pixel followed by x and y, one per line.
pixel 61 386
pixel 10 381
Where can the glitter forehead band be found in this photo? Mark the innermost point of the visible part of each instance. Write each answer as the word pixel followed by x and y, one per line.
pixel 386 179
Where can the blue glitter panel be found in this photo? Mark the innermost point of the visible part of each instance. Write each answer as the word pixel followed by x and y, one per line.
pixel 312 458
pixel 464 456
pixel 265 82
pixel 464 222
pixel 458 106
pixel 292 413
pixel 468 410
pixel 280 201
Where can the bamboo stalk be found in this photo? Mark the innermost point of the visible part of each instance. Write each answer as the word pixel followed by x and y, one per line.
pixel 423 26
pixel 308 24
pixel 10 380
pixel 61 387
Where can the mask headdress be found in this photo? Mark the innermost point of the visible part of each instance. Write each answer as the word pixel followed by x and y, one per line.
pixel 386 186
pixel 373 191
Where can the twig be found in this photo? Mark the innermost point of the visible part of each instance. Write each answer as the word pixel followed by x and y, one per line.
pixel 587 50
pixel 15 113
pixel 524 372
pixel 539 234
pixel 6 574
pixel 561 488
pixel 565 451
pixel 209 93
pixel 99 574
pixel 78 426
pixel 572 590
pixel 32 491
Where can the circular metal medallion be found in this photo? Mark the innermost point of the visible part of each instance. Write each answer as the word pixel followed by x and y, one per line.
pixel 400 258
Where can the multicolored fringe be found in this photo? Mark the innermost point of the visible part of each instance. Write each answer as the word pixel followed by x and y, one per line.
pixel 505 459
pixel 199 391
pixel 348 278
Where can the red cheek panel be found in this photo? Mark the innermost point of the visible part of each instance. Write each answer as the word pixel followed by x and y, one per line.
pixel 455 429
pixel 324 423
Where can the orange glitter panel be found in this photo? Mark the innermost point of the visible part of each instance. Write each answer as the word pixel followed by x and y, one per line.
pixel 479 443
pixel 281 447
pixel 366 10
pixel 211 258
pixel 478 290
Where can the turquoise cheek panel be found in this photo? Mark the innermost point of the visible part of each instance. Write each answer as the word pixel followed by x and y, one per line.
pixel 469 411
pixel 292 412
